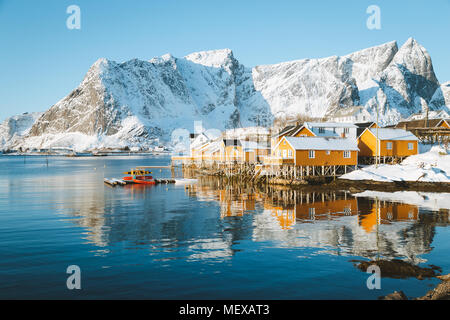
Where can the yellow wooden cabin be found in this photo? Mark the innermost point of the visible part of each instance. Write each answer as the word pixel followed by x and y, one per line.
pixel 390 143
pixel 232 150
pixel 254 151
pixel 315 151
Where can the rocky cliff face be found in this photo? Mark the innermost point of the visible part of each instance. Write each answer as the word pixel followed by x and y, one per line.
pixel 406 85
pixel 140 103
pixel 441 97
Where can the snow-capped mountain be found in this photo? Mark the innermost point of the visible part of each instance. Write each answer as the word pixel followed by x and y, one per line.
pixel 140 103
pixel 14 128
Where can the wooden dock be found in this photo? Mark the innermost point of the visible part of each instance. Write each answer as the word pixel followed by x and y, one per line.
pixel 118 182
pixel 154 167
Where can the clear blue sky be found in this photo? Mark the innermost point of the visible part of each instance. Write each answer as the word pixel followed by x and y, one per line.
pixel 41 60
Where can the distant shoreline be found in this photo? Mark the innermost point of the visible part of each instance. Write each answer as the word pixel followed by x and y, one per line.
pixel 87 154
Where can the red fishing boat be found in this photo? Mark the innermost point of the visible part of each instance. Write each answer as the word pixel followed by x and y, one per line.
pixel 139 176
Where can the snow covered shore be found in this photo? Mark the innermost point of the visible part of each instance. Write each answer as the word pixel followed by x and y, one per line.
pixel 431 166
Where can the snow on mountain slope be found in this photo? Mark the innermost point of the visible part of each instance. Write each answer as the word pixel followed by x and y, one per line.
pixel 406 85
pixel 441 98
pixel 15 127
pixel 318 87
pixel 139 103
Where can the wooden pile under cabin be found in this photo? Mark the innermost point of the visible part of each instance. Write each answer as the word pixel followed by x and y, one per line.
pixel 391 143
pixel 314 151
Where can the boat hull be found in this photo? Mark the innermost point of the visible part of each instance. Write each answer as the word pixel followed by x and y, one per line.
pixel 143 181
pixel 140 180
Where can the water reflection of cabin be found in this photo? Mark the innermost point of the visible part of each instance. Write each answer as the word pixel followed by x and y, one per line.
pixel 235 204
pixel 382 212
pixel 310 207
pixel 324 210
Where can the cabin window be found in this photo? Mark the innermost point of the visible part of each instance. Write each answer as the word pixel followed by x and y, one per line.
pixel 346 130
pixel 290 153
pixel 347 154
pixel 321 130
pixel 410 146
pixel 279 153
pixel 312 154
pixel 284 154
pixel 389 146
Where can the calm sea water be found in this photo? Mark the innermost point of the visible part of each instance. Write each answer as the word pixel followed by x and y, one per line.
pixel 209 241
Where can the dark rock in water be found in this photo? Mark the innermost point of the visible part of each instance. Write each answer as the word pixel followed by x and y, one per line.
pixel 397 295
pixel 399 269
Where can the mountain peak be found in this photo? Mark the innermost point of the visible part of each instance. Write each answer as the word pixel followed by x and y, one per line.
pixel 212 58
pixel 416 59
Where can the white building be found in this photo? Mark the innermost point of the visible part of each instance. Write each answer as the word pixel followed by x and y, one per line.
pixel 351 115
pixel 330 129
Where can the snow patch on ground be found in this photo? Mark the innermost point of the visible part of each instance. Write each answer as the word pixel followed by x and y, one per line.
pixel 431 166
pixel 428 200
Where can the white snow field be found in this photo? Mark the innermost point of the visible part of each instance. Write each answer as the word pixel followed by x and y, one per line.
pixel 427 200
pixel 431 166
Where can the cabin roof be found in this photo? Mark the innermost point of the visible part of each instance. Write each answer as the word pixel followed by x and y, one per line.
pixel 287 130
pixel 364 124
pixel 322 143
pixel 393 134
pixel 213 147
pixel 329 125
pixel 253 145
pixel 232 142
pixel 419 123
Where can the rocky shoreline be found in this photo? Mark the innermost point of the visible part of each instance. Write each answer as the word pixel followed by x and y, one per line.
pixel 330 183
pixel 441 292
